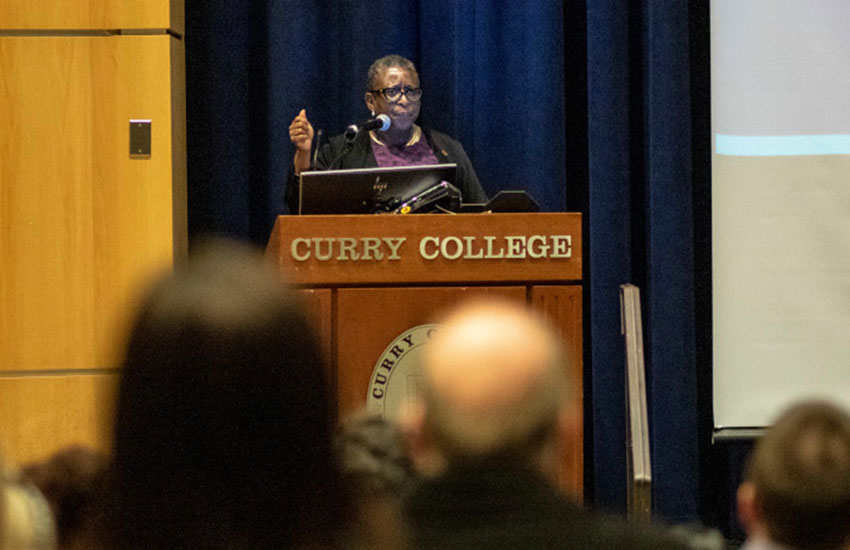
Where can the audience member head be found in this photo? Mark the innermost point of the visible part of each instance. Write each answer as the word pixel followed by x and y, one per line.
pixel 372 455
pixel 223 433
pixel 797 484
pixel 495 388
pixel 379 475
pixel 72 482
pixel 25 518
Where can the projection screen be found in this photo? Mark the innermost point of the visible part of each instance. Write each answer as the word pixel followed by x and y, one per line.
pixel 780 89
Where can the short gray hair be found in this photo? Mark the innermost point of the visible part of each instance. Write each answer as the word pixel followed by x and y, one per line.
pixel 384 63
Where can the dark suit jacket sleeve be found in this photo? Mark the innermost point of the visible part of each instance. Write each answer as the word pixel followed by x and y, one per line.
pixel 449 150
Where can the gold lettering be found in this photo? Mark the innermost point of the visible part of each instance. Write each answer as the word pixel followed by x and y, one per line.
pixel 347 249
pixel 323 256
pixel 293 250
pixel 490 254
pixel 469 255
pixel 394 243
pixel 541 250
pixel 371 249
pixel 458 248
pixel 424 242
pixel 516 247
pixel 561 246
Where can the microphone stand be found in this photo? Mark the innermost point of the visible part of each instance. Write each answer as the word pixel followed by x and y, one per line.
pixel 350 136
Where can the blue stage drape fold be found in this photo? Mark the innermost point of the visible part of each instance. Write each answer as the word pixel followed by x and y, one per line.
pixel 610 238
pixel 495 77
pixel 641 232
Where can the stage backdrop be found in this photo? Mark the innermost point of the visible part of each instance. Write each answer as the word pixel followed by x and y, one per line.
pixel 492 73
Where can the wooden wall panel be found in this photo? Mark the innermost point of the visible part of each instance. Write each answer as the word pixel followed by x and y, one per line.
pixel 82 225
pixel 92 14
pixel 41 414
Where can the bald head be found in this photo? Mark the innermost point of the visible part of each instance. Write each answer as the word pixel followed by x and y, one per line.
pixel 494 382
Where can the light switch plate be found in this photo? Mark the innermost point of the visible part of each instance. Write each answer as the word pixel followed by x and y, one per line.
pixel 140 139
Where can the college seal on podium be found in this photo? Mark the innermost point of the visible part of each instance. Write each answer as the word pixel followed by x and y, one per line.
pixel 394 385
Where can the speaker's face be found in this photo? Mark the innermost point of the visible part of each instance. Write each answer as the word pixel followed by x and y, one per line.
pixel 398 84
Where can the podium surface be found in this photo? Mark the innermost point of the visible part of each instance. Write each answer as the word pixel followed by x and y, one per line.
pixel 377 283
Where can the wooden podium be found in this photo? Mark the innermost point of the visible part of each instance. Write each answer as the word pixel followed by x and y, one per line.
pixel 369 279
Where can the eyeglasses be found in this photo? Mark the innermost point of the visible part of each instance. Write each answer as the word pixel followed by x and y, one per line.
pixel 394 94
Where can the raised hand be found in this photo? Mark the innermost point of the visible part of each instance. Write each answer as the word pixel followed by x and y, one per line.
pixel 301 132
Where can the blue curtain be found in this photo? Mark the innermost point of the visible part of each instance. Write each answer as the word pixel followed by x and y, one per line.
pixel 493 75
pixel 640 204
pixel 585 104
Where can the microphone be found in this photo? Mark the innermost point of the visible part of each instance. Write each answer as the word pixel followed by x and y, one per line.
pixel 381 122
pixel 316 150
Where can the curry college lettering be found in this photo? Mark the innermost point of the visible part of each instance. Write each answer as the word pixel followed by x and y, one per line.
pixel 366 249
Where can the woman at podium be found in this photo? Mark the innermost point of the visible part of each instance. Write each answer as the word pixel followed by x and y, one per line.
pixel 392 90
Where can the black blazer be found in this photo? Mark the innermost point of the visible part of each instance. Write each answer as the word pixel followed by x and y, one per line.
pixel 506 507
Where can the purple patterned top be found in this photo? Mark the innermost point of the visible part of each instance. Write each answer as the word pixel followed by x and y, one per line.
pixel 415 155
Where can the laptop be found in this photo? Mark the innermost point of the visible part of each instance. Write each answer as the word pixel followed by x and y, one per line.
pixel 373 190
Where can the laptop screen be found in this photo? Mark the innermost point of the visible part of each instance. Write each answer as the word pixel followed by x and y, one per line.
pixel 368 190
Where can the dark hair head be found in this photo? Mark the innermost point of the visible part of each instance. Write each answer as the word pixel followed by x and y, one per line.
pixel 801 473
pixel 71 482
pixel 388 61
pixel 223 434
pixel 372 455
